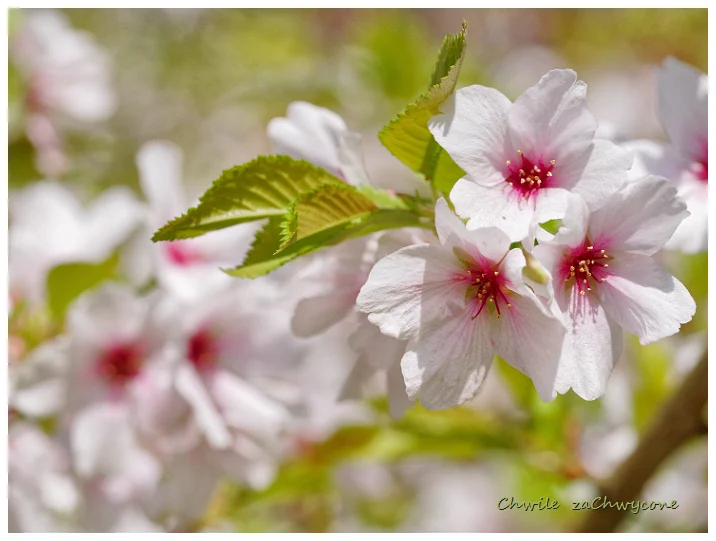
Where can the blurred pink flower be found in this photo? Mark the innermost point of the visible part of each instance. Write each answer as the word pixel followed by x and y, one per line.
pixel 68 77
pixel 320 136
pixel 187 268
pixel 42 496
pixel 683 112
pixel 49 226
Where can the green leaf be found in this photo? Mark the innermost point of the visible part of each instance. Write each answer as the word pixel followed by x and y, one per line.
pixel 268 252
pixel 66 282
pixel 322 209
pixel 261 257
pixel 262 188
pixel 407 136
pixel 383 198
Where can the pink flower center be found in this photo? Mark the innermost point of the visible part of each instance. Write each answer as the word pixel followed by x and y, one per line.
pixel 527 176
pixel 120 363
pixel 587 266
pixel 181 254
pixel 700 167
pixel 485 286
pixel 202 350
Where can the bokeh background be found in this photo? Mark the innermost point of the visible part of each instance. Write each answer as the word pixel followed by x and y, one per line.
pixel 209 81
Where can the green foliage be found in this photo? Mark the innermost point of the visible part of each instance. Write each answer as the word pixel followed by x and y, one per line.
pixel 384 199
pixel 552 226
pixel 395 41
pixel 22 169
pixel 307 207
pixel 520 386
pixel 693 271
pixel 270 249
pixel 653 382
pixel 407 136
pixel 262 188
pixel 322 209
pixel 386 512
pixel 67 282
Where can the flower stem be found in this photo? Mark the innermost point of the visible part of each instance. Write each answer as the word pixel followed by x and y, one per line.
pixel 679 420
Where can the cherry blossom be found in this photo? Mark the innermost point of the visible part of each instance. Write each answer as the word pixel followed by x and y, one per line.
pixel 116 474
pixel 522 159
pixel 605 280
pixel 683 111
pixel 320 136
pixel 49 226
pixel 42 495
pixel 458 302
pixel 335 278
pixel 187 268
pixel 226 350
pixel 112 337
pixel 68 77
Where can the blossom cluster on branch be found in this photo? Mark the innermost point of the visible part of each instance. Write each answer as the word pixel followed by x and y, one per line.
pixel 166 368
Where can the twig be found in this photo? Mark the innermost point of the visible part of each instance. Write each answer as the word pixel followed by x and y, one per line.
pixel 679 420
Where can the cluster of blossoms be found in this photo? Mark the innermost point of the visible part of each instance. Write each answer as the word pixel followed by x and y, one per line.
pixel 175 376
pixel 445 306
pixel 155 396
pixel 68 83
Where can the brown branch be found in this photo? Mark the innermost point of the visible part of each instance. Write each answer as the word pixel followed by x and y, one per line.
pixel 678 420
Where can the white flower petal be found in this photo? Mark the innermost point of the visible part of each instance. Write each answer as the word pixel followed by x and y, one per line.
pixel 492 207
pixel 38 385
pixel 316 314
pixel 605 172
pixel 655 158
pixel 473 130
pixel 375 348
pixel 111 217
pixel 574 224
pixel 639 218
pixel 683 106
pixel 310 133
pixel 350 156
pixel 448 362
pixel 398 400
pixel 591 348
pixel 645 299
pixel 160 176
pixel 186 488
pixel 491 243
pixel 359 375
pixel 104 444
pixel 530 341
pixel 190 385
pixel 161 412
pixel 109 314
pixel 410 287
pixel 691 236
pixel 245 407
pixel 551 204
pixel 550 119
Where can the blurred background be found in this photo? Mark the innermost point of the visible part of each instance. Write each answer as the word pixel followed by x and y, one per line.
pixel 88 88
